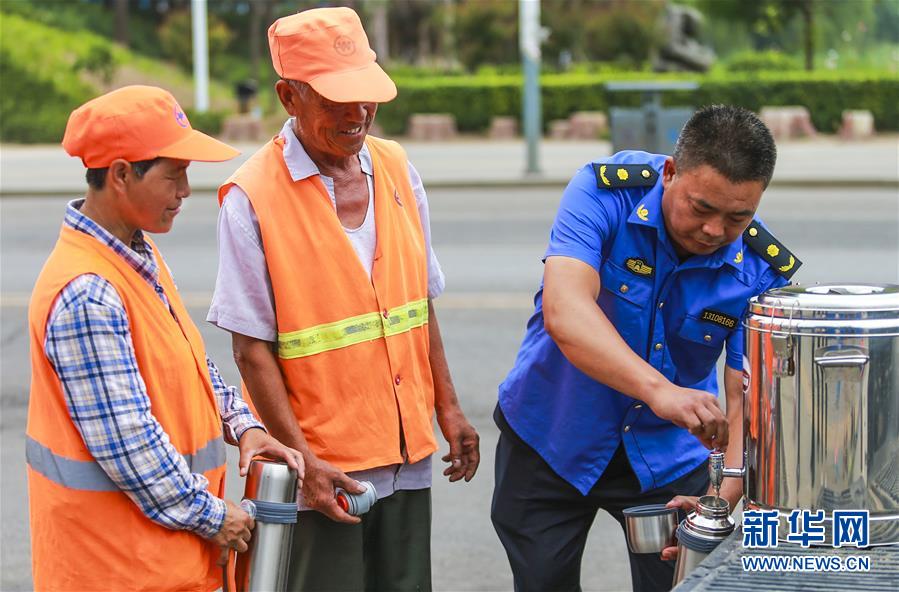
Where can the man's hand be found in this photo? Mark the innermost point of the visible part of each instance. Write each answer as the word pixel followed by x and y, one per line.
pixel 256 442
pixel 321 480
pixel 693 409
pixel 464 454
pixel 235 530
pixel 686 503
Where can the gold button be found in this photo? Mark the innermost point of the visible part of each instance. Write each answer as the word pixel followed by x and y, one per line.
pixel 623 288
pixel 753 232
pixel 627 428
pixel 707 337
pixel 658 347
pixel 645 173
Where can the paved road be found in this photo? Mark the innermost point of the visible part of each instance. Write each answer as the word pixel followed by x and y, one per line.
pixel 477 162
pixel 490 243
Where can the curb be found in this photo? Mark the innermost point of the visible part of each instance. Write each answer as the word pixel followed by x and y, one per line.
pixel 530 182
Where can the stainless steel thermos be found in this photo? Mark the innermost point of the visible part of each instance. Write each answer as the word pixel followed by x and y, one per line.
pixel 270 496
pixel 701 531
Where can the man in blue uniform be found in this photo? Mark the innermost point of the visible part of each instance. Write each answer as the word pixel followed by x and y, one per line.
pixel 612 399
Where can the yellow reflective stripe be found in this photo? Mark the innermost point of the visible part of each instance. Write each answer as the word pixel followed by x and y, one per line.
pixel 321 338
pixel 358 329
pixel 406 317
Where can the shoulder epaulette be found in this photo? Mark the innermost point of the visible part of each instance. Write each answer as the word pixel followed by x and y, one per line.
pixel 772 250
pixel 614 176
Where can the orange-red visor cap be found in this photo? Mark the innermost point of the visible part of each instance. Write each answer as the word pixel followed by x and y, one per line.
pixel 137 123
pixel 328 49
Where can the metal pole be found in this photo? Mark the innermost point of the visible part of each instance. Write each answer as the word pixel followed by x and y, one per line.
pixel 529 35
pixel 201 56
pixel 652 108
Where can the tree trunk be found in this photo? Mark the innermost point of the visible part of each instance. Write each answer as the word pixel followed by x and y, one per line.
pixel 121 22
pixel 380 31
pixel 448 37
pixel 424 39
pixel 808 19
pixel 267 75
pixel 256 10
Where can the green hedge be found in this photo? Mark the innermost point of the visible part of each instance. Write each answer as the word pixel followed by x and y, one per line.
pixel 209 122
pixel 761 61
pixel 474 100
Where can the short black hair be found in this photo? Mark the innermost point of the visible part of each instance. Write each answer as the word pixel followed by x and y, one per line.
pixel 732 140
pixel 96 178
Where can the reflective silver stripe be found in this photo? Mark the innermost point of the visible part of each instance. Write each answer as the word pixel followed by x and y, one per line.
pixel 74 474
pixel 87 475
pixel 211 456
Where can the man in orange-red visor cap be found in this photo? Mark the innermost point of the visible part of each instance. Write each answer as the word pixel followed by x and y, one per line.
pixel 334 317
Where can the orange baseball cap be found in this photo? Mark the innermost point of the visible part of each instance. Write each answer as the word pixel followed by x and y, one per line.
pixel 137 123
pixel 328 49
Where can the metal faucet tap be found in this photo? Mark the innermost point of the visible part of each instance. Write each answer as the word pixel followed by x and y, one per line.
pixel 717 470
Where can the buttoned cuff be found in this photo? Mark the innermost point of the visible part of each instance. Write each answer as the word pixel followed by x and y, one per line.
pixel 210 514
pixel 239 425
pixel 257 425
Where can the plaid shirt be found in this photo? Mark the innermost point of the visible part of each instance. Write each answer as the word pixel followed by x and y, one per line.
pixel 88 342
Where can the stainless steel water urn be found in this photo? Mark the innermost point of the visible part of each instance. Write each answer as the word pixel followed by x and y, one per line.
pixel 271 488
pixel 821 403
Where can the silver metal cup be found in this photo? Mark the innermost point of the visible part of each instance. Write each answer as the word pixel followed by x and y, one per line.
pixel 650 528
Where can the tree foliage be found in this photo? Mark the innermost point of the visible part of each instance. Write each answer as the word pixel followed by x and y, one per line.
pixel 621 36
pixel 176 40
pixel 488 32
pixel 765 18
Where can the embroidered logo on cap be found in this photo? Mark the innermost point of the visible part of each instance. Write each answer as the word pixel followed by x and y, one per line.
pixel 180 117
pixel 344 45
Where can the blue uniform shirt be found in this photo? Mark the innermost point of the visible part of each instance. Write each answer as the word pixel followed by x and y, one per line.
pixel 675 315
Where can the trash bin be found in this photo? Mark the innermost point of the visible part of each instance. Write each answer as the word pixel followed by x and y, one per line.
pixel 246 91
pixel 651 127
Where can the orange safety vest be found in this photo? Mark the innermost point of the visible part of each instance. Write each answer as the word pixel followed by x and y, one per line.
pixel 353 351
pixel 85 533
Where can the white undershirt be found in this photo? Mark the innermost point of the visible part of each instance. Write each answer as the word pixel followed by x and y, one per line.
pixel 364 238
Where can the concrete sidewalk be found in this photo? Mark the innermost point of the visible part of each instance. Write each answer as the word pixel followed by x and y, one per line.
pixel 476 162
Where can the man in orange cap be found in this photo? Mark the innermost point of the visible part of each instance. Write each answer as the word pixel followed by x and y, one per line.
pixel 127 415
pixel 326 276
